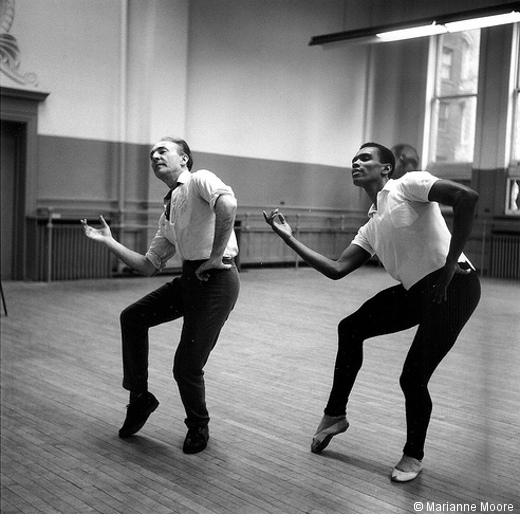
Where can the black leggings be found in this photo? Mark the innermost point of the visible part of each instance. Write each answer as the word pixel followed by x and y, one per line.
pixel 393 310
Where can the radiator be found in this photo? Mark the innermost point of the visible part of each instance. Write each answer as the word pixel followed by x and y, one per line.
pixel 65 253
pixel 505 256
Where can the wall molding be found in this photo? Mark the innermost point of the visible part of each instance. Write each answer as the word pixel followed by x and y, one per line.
pixel 10 54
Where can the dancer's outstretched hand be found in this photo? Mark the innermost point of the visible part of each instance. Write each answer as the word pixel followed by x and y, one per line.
pixel 278 223
pixel 97 234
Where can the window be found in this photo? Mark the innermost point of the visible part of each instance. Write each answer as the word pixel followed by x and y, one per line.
pixel 513 196
pixel 446 63
pixel 454 100
pixel 512 203
pixel 444 114
pixel 516 102
pixel 516 129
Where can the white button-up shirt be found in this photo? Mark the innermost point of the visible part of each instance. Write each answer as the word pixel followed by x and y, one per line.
pixel 190 227
pixel 407 232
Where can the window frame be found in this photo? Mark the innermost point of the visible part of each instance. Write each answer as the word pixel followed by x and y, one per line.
pixel 461 171
pixel 513 126
pixel 513 159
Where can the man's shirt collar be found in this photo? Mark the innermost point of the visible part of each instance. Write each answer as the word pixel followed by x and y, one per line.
pixel 183 178
pixel 384 192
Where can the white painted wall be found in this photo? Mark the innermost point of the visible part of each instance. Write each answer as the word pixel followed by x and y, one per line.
pixel 257 89
pixel 73 47
pixel 234 77
pixel 76 49
pixel 157 69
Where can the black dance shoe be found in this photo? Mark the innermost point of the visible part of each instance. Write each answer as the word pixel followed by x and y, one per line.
pixel 137 414
pixel 196 440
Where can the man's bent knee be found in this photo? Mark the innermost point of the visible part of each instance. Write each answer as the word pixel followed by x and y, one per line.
pixel 130 316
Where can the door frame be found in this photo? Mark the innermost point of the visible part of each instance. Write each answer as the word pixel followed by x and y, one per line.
pixel 21 106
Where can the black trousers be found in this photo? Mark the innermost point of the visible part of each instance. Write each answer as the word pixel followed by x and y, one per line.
pixel 393 310
pixel 205 307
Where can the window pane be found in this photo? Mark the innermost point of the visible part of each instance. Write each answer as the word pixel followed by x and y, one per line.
pixel 454 106
pixel 513 196
pixel 516 130
pixel 454 134
pixel 458 56
pixel 446 63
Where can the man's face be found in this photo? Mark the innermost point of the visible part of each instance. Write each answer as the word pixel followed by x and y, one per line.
pixel 167 158
pixel 367 166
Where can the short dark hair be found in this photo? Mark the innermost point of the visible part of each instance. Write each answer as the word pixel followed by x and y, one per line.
pixel 385 155
pixel 185 148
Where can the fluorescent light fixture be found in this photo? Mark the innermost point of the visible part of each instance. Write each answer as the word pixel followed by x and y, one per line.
pixel 480 23
pixel 413 32
pixel 450 22
pixel 453 26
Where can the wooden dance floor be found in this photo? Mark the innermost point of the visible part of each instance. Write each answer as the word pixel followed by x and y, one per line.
pixel 267 383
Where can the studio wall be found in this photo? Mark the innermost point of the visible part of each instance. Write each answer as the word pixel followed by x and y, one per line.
pixel 237 79
pixel 277 118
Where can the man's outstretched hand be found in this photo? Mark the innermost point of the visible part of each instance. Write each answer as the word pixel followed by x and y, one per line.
pixel 97 234
pixel 278 223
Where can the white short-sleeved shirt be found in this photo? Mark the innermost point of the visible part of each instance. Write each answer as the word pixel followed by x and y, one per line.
pixel 190 227
pixel 407 231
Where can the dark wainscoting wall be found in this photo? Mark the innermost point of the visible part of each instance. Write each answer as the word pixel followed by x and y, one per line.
pixel 84 178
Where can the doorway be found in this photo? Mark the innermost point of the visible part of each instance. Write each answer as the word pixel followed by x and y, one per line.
pixel 12 135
